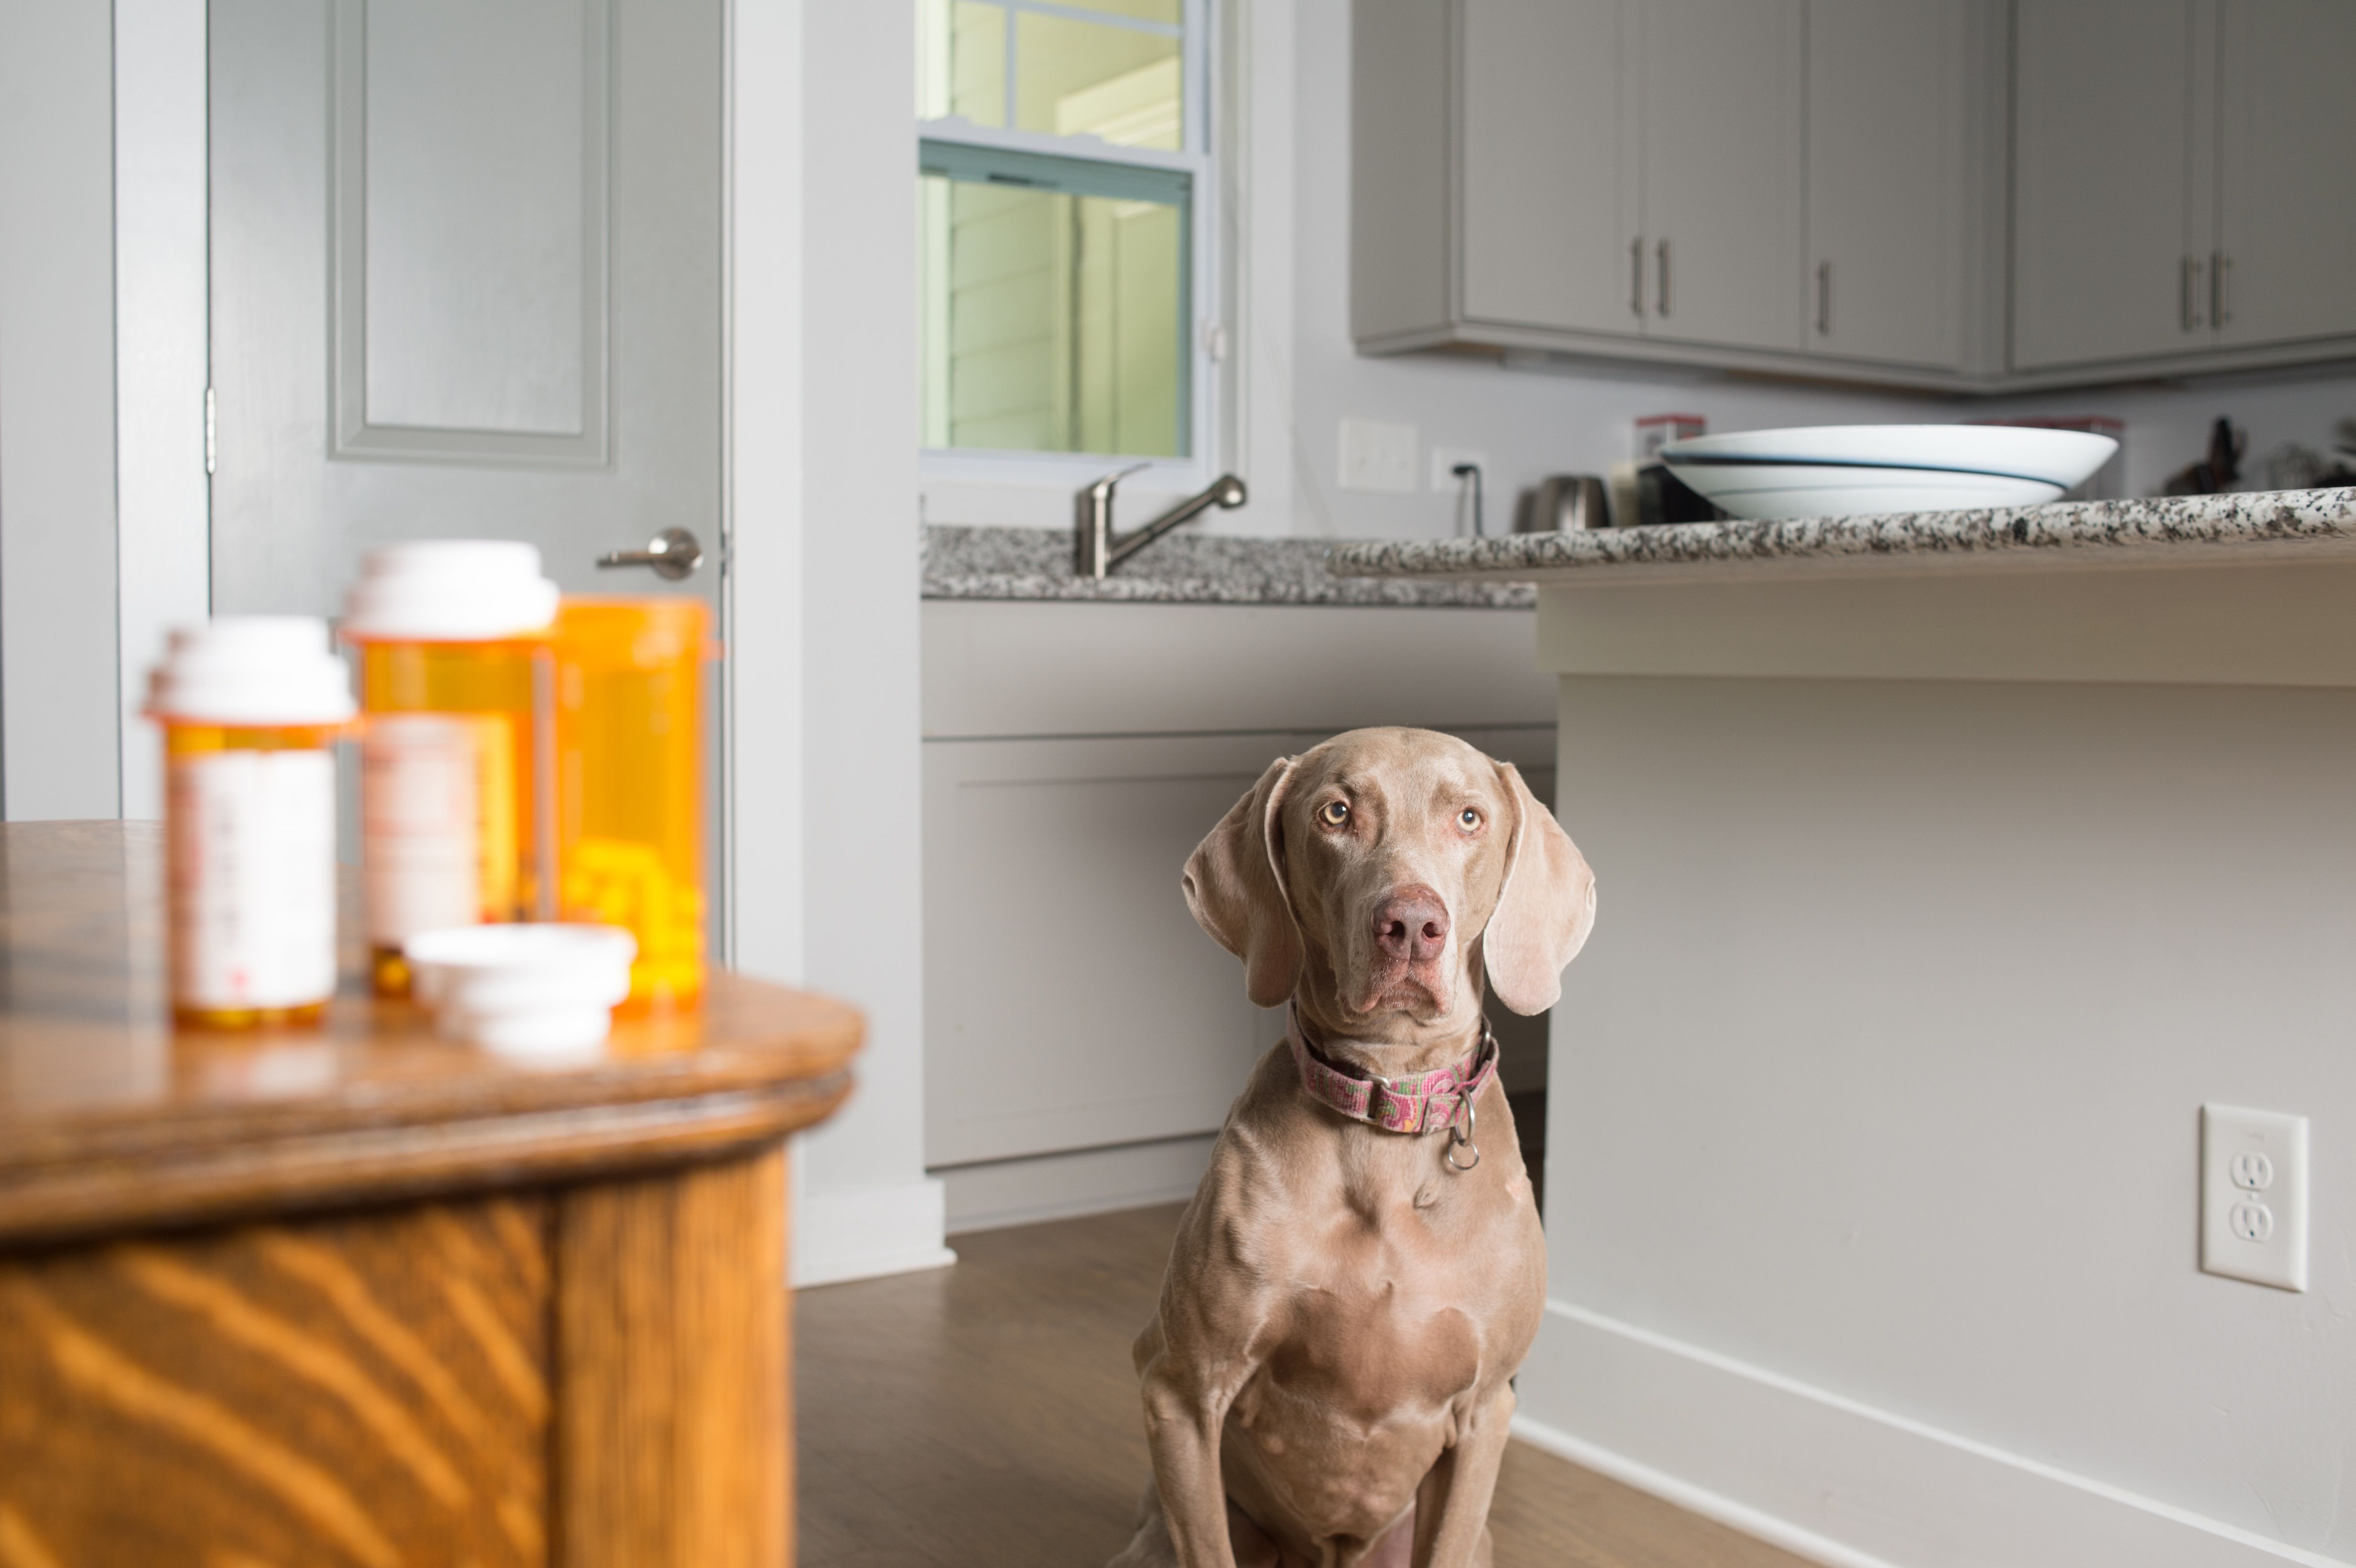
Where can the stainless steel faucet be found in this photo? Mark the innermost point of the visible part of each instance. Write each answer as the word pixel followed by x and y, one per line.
pixel 1098 551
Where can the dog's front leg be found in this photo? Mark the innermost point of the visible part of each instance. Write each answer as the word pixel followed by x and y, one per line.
pixel 1185 1406
pixel 1452 1506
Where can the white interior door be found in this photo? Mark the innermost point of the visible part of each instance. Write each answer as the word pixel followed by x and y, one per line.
pixel 2287 230
pixel 466 263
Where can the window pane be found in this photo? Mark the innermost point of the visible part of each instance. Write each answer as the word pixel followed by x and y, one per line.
pixel 961 60
pixel 1053 321
pixel 1078 79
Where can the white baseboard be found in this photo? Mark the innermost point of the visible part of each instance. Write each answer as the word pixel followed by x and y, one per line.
pixel 868 1231
pixel 1003 1192
pixel 1833 1480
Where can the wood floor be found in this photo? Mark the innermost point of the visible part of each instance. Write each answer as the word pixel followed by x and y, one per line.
pixel 984 1416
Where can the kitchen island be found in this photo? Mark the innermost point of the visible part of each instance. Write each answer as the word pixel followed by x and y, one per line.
pixel 1948 865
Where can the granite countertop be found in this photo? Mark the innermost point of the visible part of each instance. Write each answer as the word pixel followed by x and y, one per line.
pixel 1181 568
pixel 2250 527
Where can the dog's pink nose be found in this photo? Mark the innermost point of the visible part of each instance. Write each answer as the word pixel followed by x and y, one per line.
pixel 1413 924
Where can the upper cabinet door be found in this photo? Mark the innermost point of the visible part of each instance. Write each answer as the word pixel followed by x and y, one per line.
pixel 1543 239
pixel 1723 116
pixel 1886 180
pixel 2286 234
pixel 2106 244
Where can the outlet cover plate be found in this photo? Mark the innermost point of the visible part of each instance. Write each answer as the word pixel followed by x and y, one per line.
pixel 1445 460
pixel 2254 1196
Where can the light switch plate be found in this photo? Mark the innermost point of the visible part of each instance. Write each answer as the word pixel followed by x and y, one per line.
pixel 2254 1196
pixel 1380 456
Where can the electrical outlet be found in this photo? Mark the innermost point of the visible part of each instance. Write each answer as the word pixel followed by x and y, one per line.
pixel 1378 456
pixel 1445 460
pixel 2254 1196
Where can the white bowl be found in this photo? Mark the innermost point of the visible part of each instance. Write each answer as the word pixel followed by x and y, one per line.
pixel 1830 471
pixel 537 991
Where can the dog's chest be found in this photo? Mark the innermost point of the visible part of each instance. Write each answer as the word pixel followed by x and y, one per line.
pixel 1383 1325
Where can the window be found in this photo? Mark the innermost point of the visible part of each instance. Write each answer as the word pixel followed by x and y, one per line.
pixel 1061 167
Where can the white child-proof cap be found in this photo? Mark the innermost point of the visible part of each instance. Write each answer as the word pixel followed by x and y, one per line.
pixel 252 669
pixel 450 591
pixel 536 992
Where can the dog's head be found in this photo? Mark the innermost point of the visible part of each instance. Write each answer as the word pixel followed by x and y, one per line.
pixel 1376 876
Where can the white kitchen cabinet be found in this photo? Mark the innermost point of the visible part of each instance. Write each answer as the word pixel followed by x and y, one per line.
pixel 1717 255
pixel 1887 180
pixel 1825 187
pixel 1549 170
pixel 2287 151
pixel 1630 178
pixel 1071 1001
pixel 2181 180
pixel 2107 243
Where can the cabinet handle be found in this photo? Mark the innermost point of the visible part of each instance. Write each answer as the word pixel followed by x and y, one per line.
pixel 1636 277
pixel 1661 294
pixel 2189 294
pixel 1824 299
pixel 2221 298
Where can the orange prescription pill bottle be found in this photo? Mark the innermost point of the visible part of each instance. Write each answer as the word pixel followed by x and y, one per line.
pixel 452 637
pixel 251 707
pixel 629 790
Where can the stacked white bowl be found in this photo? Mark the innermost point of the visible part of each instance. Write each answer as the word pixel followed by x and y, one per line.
pixel 537 992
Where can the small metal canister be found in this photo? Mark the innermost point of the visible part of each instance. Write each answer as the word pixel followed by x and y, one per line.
pixel 1566 501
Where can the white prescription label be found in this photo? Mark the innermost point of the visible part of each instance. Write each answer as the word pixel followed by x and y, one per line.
pixel 419 825
pixel 254 879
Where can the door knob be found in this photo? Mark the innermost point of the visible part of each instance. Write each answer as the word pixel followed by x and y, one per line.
pixel 674 553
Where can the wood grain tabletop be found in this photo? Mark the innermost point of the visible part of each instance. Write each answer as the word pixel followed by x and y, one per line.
pixel 109 1116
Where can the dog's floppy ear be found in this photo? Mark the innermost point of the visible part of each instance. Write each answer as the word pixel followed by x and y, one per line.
pixel 1544 911
pixel 1237 891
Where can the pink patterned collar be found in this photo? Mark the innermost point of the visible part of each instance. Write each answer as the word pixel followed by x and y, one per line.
pixel 1420 1102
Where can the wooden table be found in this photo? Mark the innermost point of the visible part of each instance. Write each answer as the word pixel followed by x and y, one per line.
pixel 356 1296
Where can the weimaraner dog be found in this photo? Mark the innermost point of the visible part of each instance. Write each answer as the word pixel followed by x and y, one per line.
pixel 1361 1271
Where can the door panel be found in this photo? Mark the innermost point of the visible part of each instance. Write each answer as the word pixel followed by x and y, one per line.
pixel 470 182
pixel 2286 229
pixel 1886 179
pixel 1723 154
pixel 2104 218
pixel 1544 243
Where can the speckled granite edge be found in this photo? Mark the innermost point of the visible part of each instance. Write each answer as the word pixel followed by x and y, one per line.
pixel 2250 526
pixel 1036 563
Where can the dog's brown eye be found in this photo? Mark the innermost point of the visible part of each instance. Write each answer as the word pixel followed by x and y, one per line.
pixel 1334 813
pixel 1468 819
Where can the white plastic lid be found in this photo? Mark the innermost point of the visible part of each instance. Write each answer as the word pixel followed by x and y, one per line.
pixel 252 669
pixel 450 591
pixel 538 991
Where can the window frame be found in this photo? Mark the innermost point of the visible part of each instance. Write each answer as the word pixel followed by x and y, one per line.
pixel 1207 335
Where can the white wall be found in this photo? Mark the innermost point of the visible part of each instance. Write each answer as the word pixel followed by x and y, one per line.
pixel 866 1206
pixel 1871 1202
pixel 57 650
pixel 162 301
